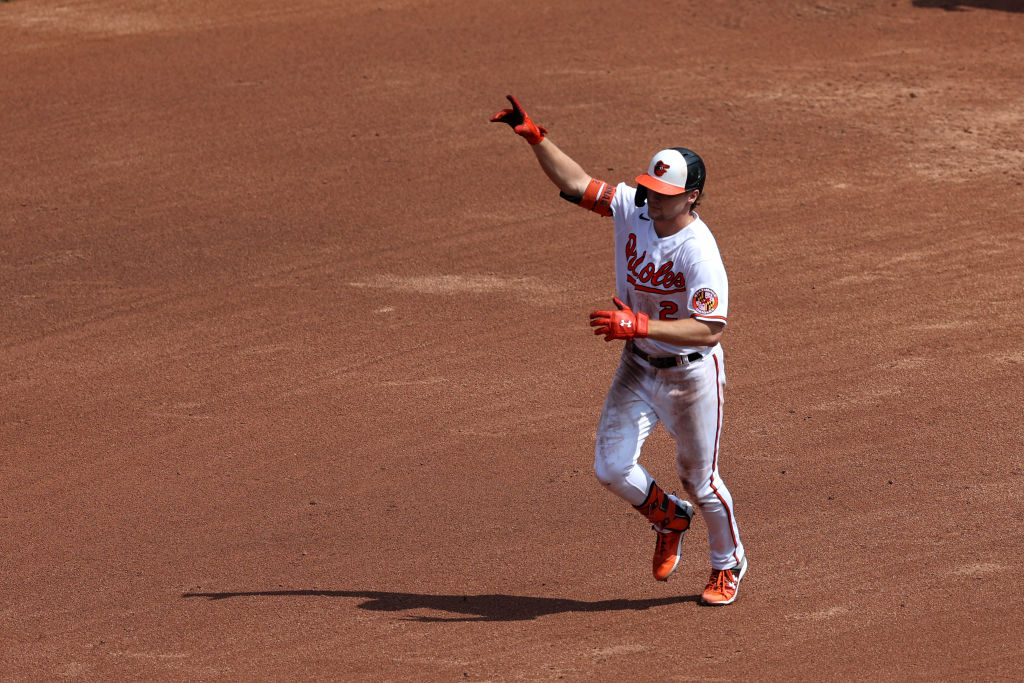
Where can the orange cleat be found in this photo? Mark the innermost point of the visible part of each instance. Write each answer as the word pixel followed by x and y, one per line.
pixel 724 585
pixel 671 518
pixel 667 549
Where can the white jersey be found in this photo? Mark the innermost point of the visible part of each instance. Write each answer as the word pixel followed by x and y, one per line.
pixel 671 278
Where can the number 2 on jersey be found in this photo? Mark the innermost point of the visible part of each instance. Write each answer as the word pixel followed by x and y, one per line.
pixel 668 310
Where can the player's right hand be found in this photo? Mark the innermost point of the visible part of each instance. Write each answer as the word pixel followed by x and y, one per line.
pixel 520 121
pixel 619 324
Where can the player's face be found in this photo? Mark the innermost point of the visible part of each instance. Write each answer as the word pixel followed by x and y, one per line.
pixel 666 207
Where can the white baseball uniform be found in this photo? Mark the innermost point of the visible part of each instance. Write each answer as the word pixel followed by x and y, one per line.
pixel 669 278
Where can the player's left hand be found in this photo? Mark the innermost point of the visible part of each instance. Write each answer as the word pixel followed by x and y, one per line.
pixel 620 324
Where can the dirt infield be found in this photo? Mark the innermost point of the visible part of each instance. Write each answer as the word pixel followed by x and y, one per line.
pixel 297 380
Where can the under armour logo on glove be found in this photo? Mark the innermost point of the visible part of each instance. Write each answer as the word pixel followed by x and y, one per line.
pixel 620 324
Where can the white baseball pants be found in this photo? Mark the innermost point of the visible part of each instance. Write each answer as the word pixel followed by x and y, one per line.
pixel 688 400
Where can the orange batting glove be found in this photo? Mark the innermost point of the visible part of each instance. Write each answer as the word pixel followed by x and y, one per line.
pixel 520 122
pixel 620 324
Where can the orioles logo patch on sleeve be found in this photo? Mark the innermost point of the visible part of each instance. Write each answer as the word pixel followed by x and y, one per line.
pixel 705 301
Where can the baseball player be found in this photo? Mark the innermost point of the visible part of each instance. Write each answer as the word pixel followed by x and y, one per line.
pixel 671 303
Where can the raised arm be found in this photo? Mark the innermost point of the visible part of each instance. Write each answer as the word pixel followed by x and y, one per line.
pixel 563 171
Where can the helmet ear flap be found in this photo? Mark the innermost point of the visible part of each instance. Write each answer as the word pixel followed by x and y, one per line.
pixel 641 196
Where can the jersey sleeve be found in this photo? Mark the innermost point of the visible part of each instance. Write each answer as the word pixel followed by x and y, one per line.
pixel 622 201
pixel 708 292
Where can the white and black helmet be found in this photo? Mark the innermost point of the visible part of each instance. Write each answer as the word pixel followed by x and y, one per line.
pixel 672 171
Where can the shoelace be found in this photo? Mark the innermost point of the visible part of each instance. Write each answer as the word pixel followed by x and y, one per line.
pixel 721 579
pixel 663 544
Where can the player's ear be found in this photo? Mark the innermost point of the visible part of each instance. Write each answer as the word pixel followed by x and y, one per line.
pixel 641 196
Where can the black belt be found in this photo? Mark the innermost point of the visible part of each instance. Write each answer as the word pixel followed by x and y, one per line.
pixel 666 361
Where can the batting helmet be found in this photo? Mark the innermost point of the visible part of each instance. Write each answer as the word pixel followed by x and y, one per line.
pixel 672 171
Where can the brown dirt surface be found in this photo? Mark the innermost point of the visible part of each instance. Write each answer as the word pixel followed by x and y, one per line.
pixel 297 380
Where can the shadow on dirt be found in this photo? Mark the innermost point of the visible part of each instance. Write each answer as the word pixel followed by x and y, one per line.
pixel 962 5
pixel 475 607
